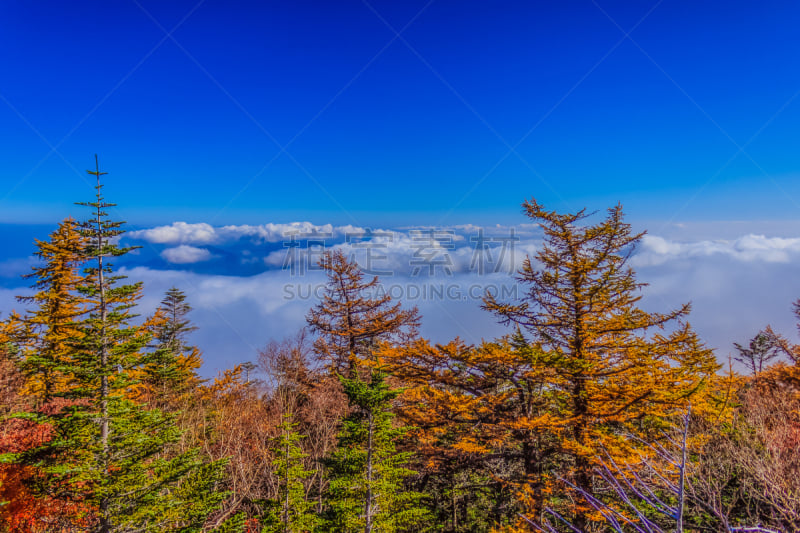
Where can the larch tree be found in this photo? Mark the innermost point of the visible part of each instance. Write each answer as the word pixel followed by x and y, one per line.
pixel 481 413
pixel 41 342
pixel 614 367
pixel 365 474
pixel 353 316
pixel 46 333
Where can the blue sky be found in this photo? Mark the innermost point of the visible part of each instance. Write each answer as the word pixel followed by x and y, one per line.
pixel 397 114
pixel 419 127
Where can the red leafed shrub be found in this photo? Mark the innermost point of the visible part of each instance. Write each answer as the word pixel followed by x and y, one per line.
pixel 25 511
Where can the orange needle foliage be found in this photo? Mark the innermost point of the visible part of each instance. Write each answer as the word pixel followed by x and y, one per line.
pixel 48 332
pixel 585 369
pixel 351 315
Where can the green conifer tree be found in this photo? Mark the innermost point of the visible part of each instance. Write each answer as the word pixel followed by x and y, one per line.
pixel 291 511
pixel 106 450
pixel 170 370
pixel 366 472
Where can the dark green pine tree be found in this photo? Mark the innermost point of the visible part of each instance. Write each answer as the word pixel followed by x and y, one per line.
pixel 291 511
pixel 170 370
pixel 366 473
pixel 107 451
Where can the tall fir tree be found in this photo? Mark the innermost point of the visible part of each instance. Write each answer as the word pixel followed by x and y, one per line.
pixel 106 450
pixel 170 372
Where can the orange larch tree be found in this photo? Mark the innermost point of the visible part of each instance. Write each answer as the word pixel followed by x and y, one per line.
pixel 46 333
pixel 38 376
pixel 585 369
pixel 353 315
pixel 486 418
pixel 611 368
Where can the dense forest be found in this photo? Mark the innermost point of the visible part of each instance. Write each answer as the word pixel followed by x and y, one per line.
pixel 591 414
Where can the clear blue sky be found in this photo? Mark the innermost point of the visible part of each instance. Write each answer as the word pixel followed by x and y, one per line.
pixel 381 129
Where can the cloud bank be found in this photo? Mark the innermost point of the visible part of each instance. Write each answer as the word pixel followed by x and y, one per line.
pixel 202 233
pixel 748 248
pixel 252 283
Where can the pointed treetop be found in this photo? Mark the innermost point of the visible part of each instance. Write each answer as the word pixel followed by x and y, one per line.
pixel 96 172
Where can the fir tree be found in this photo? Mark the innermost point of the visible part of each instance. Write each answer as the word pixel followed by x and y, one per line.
pixel 366 472
pixel 106 450
pixel 291 511
pixel 170 371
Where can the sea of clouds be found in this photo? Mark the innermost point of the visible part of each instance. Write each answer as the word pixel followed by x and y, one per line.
pixel 252 283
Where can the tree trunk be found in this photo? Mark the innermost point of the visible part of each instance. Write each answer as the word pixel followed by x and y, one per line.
pixel 368 507
pixel 105 525
pixel 286 498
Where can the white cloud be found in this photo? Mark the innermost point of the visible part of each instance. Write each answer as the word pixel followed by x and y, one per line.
pixel 748 248
pixel 176 233
pixel 404 253
pixel 185 254
pixel 732 300
pixel 202 233
pixel 737 286
pixel 13 268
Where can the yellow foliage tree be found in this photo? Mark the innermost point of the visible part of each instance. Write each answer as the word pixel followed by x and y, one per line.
pixel 496 403
pixel 585 370
pixel 353 315
pixel 47 332
pixel 614 367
